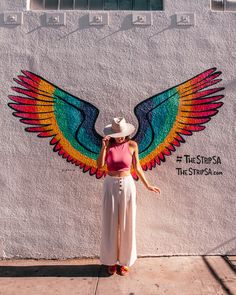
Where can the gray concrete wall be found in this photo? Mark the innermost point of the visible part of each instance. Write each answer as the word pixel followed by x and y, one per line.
pixel 49 208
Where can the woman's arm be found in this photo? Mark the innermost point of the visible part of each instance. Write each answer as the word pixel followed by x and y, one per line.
pixel 139 171
pixel 102 155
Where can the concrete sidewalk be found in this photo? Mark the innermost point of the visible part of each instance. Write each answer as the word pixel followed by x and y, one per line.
pixel 174 275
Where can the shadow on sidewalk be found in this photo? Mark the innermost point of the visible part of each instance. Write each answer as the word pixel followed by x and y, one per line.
pixel 214 271
pixel 86 270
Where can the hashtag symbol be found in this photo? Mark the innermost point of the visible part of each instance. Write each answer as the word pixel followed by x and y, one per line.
pixel 179 159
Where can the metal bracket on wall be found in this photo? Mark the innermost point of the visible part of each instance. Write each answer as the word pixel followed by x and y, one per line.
pixel 142 18
pixel 98 19
pixel 55 18
pixel 185 19
pixel 13 18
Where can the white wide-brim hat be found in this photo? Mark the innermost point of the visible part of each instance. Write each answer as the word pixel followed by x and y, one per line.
pixel 119 128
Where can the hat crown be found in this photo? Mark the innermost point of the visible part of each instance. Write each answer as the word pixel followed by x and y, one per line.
pixel 119 128
pixel 119 124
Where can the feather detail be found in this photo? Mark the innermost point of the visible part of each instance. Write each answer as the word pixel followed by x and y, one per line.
pixel 176 112
pixel 52 112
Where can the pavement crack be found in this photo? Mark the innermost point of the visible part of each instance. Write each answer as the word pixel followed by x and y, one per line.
pixel 96 287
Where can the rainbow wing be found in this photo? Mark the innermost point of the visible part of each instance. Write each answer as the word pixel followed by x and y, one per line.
pixel 180 110
pixel 69 120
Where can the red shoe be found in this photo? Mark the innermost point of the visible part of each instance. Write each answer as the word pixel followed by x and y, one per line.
pixel 111 269
pixel 124 270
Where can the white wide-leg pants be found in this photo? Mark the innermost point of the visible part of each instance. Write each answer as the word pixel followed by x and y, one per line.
pixel 118 240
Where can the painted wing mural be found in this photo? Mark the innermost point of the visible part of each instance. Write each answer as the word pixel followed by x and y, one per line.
pixel 180 110
pixel 70 121
pixel 55 113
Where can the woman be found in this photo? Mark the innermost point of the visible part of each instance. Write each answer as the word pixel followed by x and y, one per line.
pixel 118 242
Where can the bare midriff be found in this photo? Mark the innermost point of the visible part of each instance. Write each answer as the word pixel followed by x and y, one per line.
pixel 118 173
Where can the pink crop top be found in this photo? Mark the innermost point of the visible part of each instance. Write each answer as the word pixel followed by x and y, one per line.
pixel 118 157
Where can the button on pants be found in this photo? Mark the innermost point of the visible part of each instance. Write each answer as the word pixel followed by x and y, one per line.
pixel 118 240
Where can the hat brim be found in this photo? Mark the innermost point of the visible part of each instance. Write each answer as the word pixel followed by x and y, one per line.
pixel 109 131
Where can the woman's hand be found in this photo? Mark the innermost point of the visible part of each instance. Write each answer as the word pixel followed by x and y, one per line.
pixel 105 141
pixel 139 171
pixel 154 188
